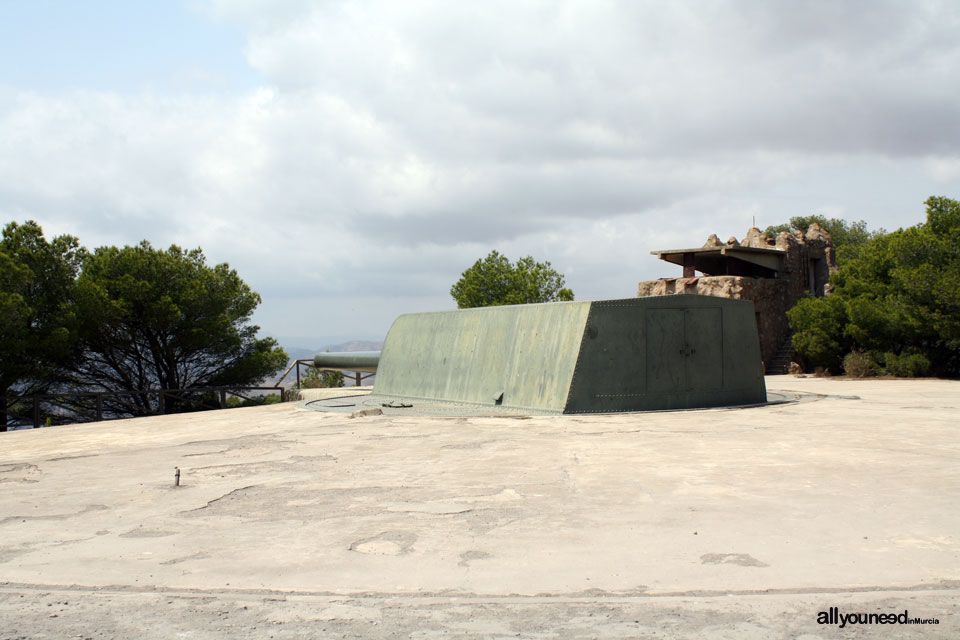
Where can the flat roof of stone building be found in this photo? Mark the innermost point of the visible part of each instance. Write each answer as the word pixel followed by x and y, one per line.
pixel 713 260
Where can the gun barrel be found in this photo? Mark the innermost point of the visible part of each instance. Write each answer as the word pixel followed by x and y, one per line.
pixel 363 361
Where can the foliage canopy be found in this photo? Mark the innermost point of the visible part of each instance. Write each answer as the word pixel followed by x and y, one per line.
pixel 848 237
pixel 495 280
pixel 37 317
pixel 898 300
pixel 165 319
pixel 122 319
pixel 321 379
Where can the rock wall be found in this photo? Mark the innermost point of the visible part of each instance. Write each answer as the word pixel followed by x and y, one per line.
pixel 809 261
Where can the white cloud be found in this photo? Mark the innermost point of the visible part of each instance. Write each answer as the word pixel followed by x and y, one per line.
pixel 394 143
pixel 945 169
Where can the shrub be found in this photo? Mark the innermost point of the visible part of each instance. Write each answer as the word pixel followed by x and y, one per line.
pixel 234 402
pixel 321 379
pixel 899 294
pixel 858 364
pixel 906 365
pixel 819 325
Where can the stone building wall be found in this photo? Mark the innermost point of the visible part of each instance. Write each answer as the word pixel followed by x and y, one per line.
pixel 809 259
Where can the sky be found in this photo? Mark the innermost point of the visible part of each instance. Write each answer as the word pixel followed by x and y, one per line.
pixel 351 159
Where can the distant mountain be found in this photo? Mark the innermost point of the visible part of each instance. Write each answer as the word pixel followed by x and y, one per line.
pixel 300 353
pixel 355 345
pixel 311 342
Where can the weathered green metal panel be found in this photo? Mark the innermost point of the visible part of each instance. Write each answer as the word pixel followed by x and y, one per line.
pixel 742 366
pixel 665 364
pixel 668 352
pixel 611 368
pixel 519 356
pixel 703 336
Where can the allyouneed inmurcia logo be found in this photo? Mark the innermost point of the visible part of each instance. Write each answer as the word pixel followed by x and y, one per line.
pixel 833 616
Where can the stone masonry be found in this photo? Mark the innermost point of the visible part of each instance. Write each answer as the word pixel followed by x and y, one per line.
pixel 806 263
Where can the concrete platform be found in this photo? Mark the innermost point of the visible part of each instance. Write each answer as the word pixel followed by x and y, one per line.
pixel 291 523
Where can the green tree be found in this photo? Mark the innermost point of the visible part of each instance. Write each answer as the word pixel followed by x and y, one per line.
pixel 819 330
pixel 848 237
pixel 497 281
pixel 898 300
pixel 37 320
pixel 165 319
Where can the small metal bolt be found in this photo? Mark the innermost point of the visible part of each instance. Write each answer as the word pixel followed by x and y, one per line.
pixel 176 476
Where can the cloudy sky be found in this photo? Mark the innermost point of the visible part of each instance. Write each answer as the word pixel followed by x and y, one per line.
pixel 351 159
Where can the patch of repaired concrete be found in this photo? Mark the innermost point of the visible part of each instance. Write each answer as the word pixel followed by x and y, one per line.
pixel 486 520
pixel 741 559
pixel 388 543
pixel 20 472
pixel 141 532
pixel 240 446
pixel 468 445
pixel 196 556
pixel 245 469
pixel 468 556
pixel 9 552
pixel 58 516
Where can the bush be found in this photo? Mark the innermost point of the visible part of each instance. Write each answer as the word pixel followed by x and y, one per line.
pixel 858 364
pixel 321 379
pixel 906 365
pixel 234 402
pixel 819 324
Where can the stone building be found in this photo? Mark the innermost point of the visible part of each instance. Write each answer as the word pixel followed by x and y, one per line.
pixel 773 273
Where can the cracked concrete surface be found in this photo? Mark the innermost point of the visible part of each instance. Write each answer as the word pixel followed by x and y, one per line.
pixel 293 523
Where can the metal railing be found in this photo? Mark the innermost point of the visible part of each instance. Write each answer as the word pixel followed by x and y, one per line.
pixel 356 376
pixel 48 409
